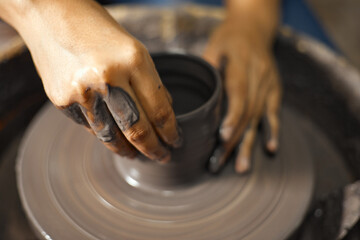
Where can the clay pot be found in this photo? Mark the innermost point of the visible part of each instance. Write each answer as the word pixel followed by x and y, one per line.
pixel 195 87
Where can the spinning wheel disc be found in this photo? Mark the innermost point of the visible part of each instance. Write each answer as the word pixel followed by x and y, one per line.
pixel 71 188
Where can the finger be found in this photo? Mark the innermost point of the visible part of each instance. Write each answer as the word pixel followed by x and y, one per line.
pixel 134 124
pixel 213 50
pixel 242 162
pixel 74 112
pixel 168 95
pixel 253 109
pixel 243 158
pixel 272 115
pixel 154 99
pixel 254 103
pixel 105 128
pixel 224 149
pixel 236 86
pixel 232 134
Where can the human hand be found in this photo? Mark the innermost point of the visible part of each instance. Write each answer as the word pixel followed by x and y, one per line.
pixel 252 87
pixel 102 77
pixel 120 99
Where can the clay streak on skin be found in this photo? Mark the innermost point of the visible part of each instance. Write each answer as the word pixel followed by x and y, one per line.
pixel 104 125
pixel 74 112
pixel 122 107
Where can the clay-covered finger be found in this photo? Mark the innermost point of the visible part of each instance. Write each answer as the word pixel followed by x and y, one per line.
pixel 134 124
pixel 273 103
pixel 224 149
pixel 217 159
pixel 243 158
pixel 105 128
pixel 156 103
pixel 74 112
pixel 236 86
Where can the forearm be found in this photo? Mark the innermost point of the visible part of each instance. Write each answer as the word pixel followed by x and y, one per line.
pixel 42 20
pixel 9 10
pixel 263 14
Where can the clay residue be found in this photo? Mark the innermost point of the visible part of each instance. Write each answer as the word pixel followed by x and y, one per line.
pixel 122 107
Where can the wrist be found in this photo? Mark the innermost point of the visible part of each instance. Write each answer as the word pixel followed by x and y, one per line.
pixel 255 15
pixel 39 21
pixel 12 11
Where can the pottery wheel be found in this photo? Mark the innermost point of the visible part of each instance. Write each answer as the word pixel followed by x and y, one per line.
pixel 71 189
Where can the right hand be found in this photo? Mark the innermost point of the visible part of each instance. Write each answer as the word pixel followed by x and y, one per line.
pixel 251 79
pixel 103 78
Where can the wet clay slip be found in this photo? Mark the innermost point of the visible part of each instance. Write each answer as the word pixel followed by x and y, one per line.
pixel 71 188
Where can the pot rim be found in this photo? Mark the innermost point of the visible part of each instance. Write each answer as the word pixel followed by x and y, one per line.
pixel 200 61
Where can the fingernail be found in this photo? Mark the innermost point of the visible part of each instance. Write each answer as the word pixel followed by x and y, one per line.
pixel 243 165
pixel 225 133
pixel 272 145
pixel 217 160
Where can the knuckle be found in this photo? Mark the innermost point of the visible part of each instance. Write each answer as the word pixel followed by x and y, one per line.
pixel 137 55
pixel 84 84
pixel 62 97
pixel 93 76
pixel 82 77
pixel 139 135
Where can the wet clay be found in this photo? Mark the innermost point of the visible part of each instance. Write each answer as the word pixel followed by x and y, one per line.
pixel 63 174
pixel 74 112
pixel 122 107
pixel 103 123
pixel 100 119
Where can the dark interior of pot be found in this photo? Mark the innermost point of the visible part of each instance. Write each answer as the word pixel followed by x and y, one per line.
pixel 186 95
pixel 310 87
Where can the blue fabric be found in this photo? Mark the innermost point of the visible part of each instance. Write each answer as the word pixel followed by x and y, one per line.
pixel 295 13
pixel 163 2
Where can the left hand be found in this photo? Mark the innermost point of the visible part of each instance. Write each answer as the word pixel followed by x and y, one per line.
pixel 252 87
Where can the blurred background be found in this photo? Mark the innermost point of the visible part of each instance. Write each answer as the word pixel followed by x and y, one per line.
pixel 340 19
